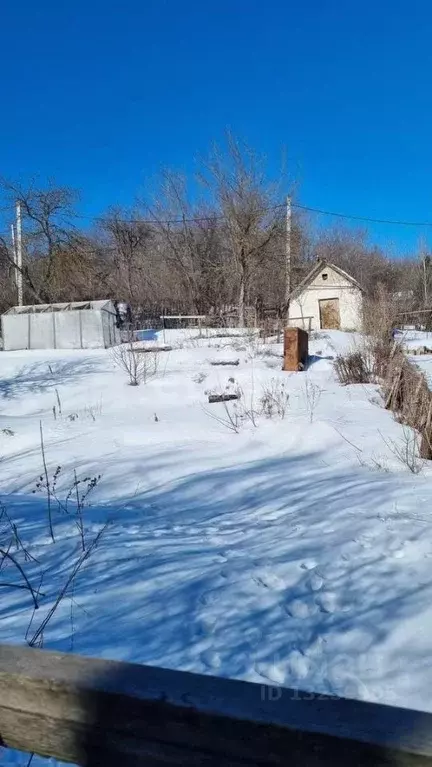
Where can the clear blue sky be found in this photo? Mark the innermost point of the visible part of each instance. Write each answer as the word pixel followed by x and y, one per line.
pixel 100 95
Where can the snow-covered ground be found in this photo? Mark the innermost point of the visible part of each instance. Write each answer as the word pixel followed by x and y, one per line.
pixel 413 340
pixel 297 551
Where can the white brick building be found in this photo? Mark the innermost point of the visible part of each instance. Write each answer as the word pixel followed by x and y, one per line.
pixel 328 297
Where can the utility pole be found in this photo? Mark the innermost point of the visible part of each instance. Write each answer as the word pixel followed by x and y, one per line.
pixel 14 253
pixel 287 257
pixel 19 253
pixel 426 267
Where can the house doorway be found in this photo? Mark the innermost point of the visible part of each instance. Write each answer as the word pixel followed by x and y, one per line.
pixel 329 313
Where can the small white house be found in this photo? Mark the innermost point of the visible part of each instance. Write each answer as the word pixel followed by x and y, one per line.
pixel 74 325
pixel 328 298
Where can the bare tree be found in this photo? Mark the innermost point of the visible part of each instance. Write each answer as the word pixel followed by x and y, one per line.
pixel 188 239
pixel 48 213
pixel 251 217
pixel 7 282
pixel 130 239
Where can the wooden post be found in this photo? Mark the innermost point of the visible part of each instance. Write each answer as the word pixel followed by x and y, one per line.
pixel 295 349
pixel 287 258
pixel 426 436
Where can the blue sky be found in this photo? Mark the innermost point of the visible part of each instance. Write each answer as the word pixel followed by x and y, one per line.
pixel 101 95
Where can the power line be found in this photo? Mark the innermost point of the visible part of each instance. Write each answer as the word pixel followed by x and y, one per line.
pixel 363 218
pixel 211 218
pixel 198 219
pixel 155 220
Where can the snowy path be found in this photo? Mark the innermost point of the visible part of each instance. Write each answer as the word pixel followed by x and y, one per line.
pixel 281 554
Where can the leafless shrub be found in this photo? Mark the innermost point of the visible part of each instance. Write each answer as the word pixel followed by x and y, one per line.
pixel 356 367
pixel 252 342
pixel 406 393
pixel 79 491
pixel 6 556
pixel 249 412
pixel 274 399
pixel 190 342
pixel 379 315
pixel 11 548
pixel 12 529
pixel 140 368
pixel 46 484
pixel 199 378
pixel 407 449
pixel 367 362
pixel 77 494
pixel 92 411
pixel 230 417
pixel 236 413
pixel 38 637
pixel 373 463
pixel 265 351
pixel 312 395
pixel 225 334
pixel 238 346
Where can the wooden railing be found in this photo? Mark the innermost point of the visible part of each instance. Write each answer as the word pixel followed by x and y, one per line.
pixel 96 712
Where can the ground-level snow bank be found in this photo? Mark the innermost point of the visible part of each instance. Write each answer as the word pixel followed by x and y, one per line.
pixel 294 552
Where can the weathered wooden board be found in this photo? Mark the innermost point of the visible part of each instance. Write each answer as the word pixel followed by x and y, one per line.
pixel 222 397
pixel 225 362
pixel 154 349
pixel 96 712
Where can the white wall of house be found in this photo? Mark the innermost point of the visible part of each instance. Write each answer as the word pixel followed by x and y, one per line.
pixel 304 309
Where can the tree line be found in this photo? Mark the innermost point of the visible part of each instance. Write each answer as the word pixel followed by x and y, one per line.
pixel 222 252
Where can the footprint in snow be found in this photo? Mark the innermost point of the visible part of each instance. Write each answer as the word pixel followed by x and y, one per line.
pixel 269 581
pixel 263 562
pixel 219 560
pixel 294 668
pixel 274 672
pixel 209 597
pixel 252 635
pixel 296 530
pixel 299 664
pixel 328 602
pixel 232 572
pixel 316 581
pixel 204 626
pixel 315 648
pixel 211 659
pixel 397 550
pixel 134 529
pixel 298 608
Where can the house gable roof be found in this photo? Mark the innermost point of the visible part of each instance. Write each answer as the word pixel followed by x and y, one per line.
pixel 319 266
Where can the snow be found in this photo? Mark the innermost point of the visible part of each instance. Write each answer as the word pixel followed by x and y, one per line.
pixel 292 552
pixel 414 340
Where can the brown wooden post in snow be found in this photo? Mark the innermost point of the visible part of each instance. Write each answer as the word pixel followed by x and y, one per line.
pixel 295 349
